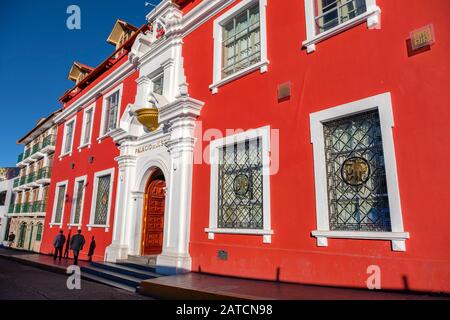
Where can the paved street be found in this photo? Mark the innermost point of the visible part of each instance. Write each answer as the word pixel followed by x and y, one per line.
pixel 21 282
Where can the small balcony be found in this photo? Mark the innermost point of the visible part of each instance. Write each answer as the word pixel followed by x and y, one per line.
pixel 48 144
pixel 31 177
pixel 17 208
pixel 23 180
pixel 43 175
pixel 39 207
pixel 35 152
pixel 26 208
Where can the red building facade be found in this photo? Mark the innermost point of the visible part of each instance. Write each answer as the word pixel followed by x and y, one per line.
pixel 298 141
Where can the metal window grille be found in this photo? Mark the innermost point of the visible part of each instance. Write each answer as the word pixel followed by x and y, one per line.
pixel 102 201
pixel 241 45
pixel 356 178
pixel 335 12
pixel 241 186
pixel 78 202
pixel 111 112
pixel 60 204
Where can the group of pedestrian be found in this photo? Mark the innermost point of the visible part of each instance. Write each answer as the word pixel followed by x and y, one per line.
pixel 75 243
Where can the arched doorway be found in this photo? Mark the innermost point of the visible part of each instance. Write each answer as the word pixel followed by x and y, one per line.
pixel 153 215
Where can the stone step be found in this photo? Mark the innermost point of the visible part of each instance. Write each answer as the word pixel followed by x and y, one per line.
pixel 129 270
pixel 117 277
pixel 145 260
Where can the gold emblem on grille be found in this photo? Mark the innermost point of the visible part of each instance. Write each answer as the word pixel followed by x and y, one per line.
pixel 241 185
pixel 355 171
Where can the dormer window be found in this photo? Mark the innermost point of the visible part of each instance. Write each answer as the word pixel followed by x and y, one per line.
pixel 121 32
pixel 79 72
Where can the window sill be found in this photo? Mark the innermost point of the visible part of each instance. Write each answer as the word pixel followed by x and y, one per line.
pixel 397 238
pixel 262 66
pixel 67 154
pixel 103 137
pixel 372 16
pixel 267 234
pixel 88 145
pixel 56 225
pixel 71 225
pixel 91 226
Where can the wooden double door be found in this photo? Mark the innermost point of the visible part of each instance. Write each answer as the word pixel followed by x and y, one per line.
pixel 154 205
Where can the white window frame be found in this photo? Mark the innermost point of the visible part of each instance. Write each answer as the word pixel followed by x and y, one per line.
pixel 215 146
pixel 371 16
pixel 218 81
pixel 55 203
pixel 63 151
pixel 74 201
pixel 94 198
pixel 382 103
pixel 102 135
pixel 83 130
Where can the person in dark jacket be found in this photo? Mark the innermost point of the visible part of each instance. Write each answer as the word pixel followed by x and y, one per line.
pixel 91 249
pixel 76 244
pixel 11 239
pixel 66 250
pixel 58 243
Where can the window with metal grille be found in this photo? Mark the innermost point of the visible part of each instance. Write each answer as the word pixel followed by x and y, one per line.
pixel 241 41
pixel 241 186
pixel 356 177
pixel 78 202
pixel 331 13
pixel 39 232
pixel 102 200
pixel 69 135
pixel 112 109
pixel 158 84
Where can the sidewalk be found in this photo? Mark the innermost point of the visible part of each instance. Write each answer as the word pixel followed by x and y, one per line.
pixel 39 260
pixel 195 286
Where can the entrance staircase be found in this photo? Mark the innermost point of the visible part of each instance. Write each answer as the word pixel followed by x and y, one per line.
pixel 124 274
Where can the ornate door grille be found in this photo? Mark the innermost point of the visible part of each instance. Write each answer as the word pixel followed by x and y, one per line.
pixel 241 186
pixel 356 177
pixel 102 201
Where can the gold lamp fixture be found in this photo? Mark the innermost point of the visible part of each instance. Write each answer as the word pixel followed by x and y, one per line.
pixel 148 117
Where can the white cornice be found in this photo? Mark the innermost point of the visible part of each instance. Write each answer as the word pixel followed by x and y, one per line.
pixel 202 13
pixel 111 80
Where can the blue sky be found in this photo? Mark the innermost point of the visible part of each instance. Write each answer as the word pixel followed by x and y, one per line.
pixel 38 50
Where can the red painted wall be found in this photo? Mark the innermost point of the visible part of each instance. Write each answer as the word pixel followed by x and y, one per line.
pixel 103 153
pixel 352 65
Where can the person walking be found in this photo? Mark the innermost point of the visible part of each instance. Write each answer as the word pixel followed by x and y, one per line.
pixel 58 243
pixel 77 244
pixel 91 249
pixel 11 239
pixel 66 250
